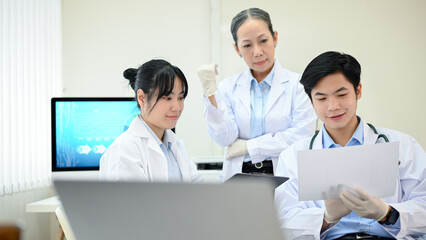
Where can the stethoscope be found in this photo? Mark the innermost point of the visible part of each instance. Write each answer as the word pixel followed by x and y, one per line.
pixel 369 124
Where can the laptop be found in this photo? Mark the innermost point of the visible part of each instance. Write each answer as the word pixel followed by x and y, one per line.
pixel 274 181
pixel 179 211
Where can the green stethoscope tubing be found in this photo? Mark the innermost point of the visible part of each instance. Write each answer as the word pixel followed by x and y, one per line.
pixel 369 124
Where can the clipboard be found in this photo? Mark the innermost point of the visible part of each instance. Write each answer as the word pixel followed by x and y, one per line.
pixel 272 180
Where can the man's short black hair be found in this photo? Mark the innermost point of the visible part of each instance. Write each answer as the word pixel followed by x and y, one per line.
pixel 328 63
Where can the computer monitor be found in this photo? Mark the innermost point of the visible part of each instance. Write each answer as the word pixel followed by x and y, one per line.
pixel 83 128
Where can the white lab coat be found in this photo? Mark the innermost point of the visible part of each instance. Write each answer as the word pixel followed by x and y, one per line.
pixel 289 116
pixel 136 156
pixel 304 218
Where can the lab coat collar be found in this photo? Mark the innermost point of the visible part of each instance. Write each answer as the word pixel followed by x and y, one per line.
pixel 141 129
pixel 157 162
pixel 180 156
pixel 318 140
pixel 243 89
pixel 168 138
pixel 138 128
pixel 157 140
pixel 277 90
pixel 244 84
pixel 268 79
pixel 357 137
pixel 369 136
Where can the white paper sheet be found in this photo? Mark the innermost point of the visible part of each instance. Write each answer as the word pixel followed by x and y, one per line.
pixel 325 173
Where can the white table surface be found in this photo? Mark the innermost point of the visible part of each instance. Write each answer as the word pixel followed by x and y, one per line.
pixel 48 205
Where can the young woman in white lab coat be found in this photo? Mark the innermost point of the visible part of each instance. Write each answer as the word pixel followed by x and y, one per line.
pixel 260 112
pixel 332 80
pixel 149 150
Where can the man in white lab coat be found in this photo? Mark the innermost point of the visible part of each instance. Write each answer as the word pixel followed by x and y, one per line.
pixel 332 82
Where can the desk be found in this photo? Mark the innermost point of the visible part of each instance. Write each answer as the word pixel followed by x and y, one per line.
pixel 212 175
pixel 48 205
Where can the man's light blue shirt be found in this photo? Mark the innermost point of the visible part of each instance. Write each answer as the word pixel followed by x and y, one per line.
pixel 174 173
pixel 259 93
pixel 352 223
pixel 356 139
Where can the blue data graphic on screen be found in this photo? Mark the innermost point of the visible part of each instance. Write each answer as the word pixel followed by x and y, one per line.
pixel 85 129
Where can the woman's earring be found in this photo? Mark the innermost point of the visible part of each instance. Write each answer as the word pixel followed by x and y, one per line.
pixel 275 46
pixel 241 56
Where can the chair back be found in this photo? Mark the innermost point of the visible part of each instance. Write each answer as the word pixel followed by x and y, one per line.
pixel 9 232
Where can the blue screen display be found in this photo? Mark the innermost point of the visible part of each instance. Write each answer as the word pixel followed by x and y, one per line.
pixel 85 129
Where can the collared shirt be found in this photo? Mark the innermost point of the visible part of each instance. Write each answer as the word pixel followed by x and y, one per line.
pixel 352 223
pixel 356 139
pixel 174 172
pixel 259 93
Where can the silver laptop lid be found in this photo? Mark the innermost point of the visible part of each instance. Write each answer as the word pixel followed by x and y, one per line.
pixel 138 210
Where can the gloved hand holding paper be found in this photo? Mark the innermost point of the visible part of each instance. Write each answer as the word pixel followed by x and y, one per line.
pixel 326 173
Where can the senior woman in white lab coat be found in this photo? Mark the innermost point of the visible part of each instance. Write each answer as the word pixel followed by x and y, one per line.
pixel 149 150
pixel 260 112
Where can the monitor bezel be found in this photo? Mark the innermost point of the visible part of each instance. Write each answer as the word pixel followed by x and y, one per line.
pixel 53 126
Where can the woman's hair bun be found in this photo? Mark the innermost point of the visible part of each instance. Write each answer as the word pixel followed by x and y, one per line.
pixel 130 74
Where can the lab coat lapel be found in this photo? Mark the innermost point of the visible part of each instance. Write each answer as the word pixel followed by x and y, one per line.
pixel 156 161
pixel 278 88
pixel 243 90
pixel 180 158
pixel 318 141
pixel 369 136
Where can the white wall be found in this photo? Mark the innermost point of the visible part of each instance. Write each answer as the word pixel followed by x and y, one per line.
pixel 103 38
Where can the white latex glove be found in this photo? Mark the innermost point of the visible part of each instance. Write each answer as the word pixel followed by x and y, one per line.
pixel 237 148
pixel 365 205
pixel 335 209
pixel 207 74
